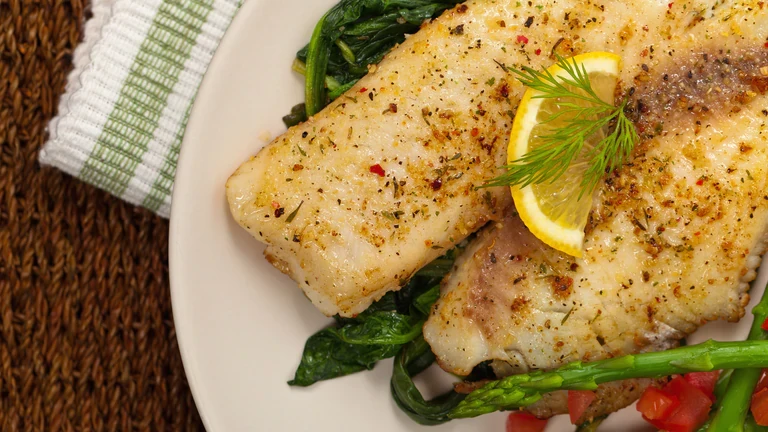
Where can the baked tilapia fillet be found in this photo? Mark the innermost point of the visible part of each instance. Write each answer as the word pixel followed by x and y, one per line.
pixel 355 200
pixel 674 237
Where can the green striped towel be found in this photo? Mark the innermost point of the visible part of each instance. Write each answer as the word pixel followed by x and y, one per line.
pixel 123 114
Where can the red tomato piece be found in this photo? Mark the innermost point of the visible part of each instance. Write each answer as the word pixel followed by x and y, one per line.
pixel 693 410
pixel 704 381
pixel 765 325
pixel 656 404
pixel 759 407
pixel 680 406
pixel 521 421
pixel 578 402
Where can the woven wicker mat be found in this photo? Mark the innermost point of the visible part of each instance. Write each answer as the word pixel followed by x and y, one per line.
pixel 86 333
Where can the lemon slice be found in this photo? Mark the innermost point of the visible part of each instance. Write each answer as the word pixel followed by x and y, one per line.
pixel 553 211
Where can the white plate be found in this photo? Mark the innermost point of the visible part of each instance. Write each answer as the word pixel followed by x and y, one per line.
pixel 241 324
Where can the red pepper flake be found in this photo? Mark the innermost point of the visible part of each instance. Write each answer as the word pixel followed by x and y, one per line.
pixel 363 90
pixel 765 325
pixel 437 184
pixel 699 182
pixel 275 205
pixel 504 91
pixel 697 233
pixel 474 132
pixel 521 38
pixel 670 5
pixel 377 169
pixel 538 51
pixel 766 45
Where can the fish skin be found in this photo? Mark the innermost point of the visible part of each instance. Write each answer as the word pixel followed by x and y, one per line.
pixel 674 237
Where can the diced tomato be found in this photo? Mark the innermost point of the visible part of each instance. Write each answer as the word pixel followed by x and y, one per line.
pixel 656 404
pixel 687 415
pixel 764 326
pixel 521 421
pixel 704 381
pixel 759 407
pixel 693 410
pixel 578 402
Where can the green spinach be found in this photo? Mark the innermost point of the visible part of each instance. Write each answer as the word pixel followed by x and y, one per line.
pixel 381 328
pixel 413 359
pixel 350 36
pixel 423 303
pixel 356 344
pixel 326 356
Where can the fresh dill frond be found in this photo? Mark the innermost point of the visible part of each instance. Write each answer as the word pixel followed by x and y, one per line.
pixel 557 150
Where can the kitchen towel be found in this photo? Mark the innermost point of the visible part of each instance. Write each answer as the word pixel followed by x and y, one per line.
pixel 122 118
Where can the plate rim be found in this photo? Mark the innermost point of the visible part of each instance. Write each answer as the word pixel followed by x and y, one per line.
pixel 238 20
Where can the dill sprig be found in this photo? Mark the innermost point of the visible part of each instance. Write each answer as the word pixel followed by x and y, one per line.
pixel 557 149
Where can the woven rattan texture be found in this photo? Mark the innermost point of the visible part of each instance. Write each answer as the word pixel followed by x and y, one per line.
pixel 86 334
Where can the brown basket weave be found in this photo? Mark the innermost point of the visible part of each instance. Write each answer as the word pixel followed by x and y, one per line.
pixel 86 333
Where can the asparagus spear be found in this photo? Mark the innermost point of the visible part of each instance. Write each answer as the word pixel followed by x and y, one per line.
pixel 521 390
pixel 732 408
pixel 720 387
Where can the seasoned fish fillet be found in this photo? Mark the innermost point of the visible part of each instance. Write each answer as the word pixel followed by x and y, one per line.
pixel 355 200
pixel 674 237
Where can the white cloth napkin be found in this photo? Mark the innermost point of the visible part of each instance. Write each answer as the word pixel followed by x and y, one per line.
pixel 122 117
